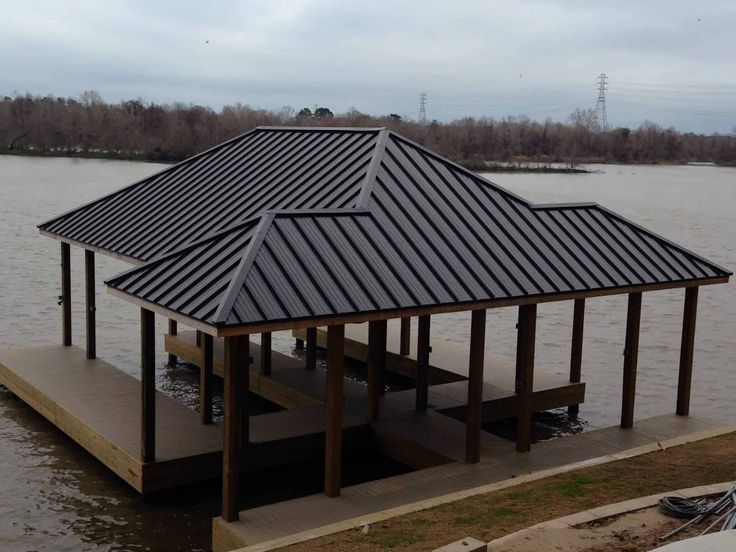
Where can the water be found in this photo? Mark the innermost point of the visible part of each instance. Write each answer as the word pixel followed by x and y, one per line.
pixel 53 496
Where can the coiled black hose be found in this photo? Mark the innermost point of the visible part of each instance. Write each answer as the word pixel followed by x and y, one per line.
pixel 678 507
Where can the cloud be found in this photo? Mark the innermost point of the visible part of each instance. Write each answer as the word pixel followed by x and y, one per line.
pixel 672 59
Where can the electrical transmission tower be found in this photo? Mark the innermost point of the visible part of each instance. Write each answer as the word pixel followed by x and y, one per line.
pixel 422 108
pixel 600 105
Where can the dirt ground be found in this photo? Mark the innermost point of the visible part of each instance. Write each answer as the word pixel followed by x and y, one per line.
pixel 638 531
pixel 499 513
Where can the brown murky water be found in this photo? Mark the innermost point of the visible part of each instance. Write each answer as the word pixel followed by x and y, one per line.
pixel 53 496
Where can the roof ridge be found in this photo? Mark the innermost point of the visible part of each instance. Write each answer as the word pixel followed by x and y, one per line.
pixel 662 239
pixel 147 178
pixel 241 272
pixel 459 167
pixel 320 128
pixel 370 175
pixel 165 256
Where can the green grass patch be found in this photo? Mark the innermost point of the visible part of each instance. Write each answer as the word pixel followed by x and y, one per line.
pixel 466 520
pixel 574 487
pixel 394 539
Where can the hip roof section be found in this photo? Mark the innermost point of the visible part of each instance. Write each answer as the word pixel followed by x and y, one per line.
pixel 424 232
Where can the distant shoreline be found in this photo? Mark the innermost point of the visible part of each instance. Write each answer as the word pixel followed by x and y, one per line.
pixel 522 167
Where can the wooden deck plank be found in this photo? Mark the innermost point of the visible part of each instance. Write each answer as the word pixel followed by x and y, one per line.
pixel 498 462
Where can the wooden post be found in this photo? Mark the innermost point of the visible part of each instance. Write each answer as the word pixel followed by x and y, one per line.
pixel 422 377
pixel 686 351
pixel 237 353
pixel 525 369
pixel 311 348
pixel 377 331
pixel 148 386
pixel 244 371
pixel 266 353
pixel 66 295
pixel 89 281
pixel 198 338
pixel 405 336
pixel 631 356
pixel 173 330
pixel 475 386
pixel 576 352
pixel 299 344
pixel 333 399
pixel 205 379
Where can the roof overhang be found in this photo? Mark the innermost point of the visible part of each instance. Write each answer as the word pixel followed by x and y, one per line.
pixel 359 318
pixel 89 247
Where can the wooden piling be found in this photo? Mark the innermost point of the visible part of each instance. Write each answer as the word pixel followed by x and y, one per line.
pixel 333 400
pixel 631 356
pixel 90 308
pixel 206 379
pixel 525 370
pixel 475 386
pixel 148 386
pixel 173 330
pixel 266 353
pixel 422 378
pixel 405 336
pixel 66 295
pixel 237 353
pixel 687 345
pixel 576 350
pixel 311 348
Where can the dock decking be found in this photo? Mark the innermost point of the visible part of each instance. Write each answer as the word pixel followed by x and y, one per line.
pixel 310 516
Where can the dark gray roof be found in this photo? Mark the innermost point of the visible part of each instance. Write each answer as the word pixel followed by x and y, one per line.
pixel 266 168
pixel 424 232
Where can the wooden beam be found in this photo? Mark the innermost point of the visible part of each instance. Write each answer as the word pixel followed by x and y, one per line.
pixel 266 353
pixel 206 379
pixel 311 348
pixel 475 386
pixel 576 350
pixel 631 356
pixel 66 295
pixel 148 386
pixel 525 368
pixel 333 400
pixel 89 285
pixel 173 329
pixel 405 336
pixel 237 353
pixel 422 378
pixel 377 335
pixel 686 351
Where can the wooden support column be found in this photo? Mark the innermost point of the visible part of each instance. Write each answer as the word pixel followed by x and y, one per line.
pixel 405 336
pixel 333 400
pixel 475 386
pixel 148 386
pixel 66 295
pixel 266 353
pixel 576 352
pixel 205 379
pixel 422 377
pixel 237 354
pixel 89 285
pixel 311 348
pixel 686 351
pixel 300 344
pixel 245 400
pixel 631 356
pixel 198 338
pixel 377 331
pixel 525 370
pixel 173 330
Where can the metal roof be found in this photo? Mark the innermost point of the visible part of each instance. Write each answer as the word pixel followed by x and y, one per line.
pixel 266 168
pixel 423 232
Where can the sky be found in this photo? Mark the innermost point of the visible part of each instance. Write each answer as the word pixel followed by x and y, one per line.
pixel 672 62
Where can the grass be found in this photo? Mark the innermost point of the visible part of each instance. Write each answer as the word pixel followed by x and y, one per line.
pixel 492 515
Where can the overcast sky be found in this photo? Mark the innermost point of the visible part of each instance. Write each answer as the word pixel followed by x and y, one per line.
pixel 668 61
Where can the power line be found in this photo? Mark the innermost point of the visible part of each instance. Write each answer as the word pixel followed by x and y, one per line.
pixel 422 108
pixel 600 105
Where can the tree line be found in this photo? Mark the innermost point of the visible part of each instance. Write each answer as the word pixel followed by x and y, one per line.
pixel 134 129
